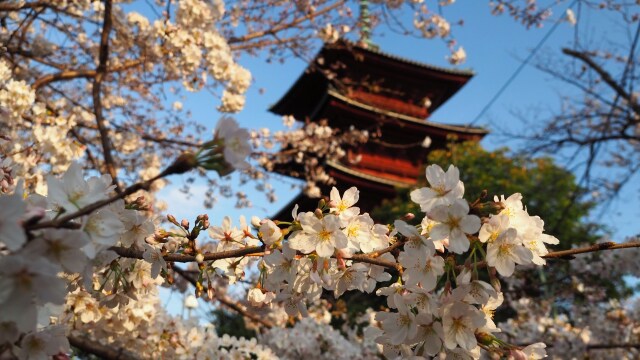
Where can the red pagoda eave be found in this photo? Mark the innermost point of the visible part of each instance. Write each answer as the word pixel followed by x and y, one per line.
pixel 357 108
pixel 365 180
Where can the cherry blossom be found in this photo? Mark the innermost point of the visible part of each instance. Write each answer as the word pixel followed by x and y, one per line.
pixel 12 209
pixel 421 268
pixel 459 323
pixel 444 188
pixel 454 222
pixel 506 251
pixel 320 235
pixel 343 206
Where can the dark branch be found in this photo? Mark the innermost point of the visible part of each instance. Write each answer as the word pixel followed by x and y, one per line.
pixel 102 351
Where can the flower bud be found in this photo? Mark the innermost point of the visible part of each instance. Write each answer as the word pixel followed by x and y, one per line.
pixel 191 302
pixel 185 224
pixel 199 258
pixel 409 216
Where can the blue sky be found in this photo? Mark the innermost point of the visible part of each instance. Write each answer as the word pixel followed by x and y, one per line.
pixel 496 46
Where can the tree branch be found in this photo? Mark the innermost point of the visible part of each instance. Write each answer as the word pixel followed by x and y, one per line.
pixel 285 26
pixel 19 5
pixel 180 258
pixel 102 351
pixel 568 254
pixel 178 167
pixel 605 76
pixel 80 73
pixel 227 302
pixel 101 70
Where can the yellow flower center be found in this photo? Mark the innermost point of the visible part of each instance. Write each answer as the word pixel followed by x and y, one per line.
pixel 325 235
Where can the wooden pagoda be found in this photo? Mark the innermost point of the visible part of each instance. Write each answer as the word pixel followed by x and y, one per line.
pixel 356 85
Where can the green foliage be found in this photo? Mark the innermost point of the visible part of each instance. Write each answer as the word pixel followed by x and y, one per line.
pixel 230 323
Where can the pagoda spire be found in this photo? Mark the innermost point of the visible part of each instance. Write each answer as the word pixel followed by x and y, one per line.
pixel 365 26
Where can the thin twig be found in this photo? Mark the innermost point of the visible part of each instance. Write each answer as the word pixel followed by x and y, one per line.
pixel 181 258
pixel 226 301
pixel 101 71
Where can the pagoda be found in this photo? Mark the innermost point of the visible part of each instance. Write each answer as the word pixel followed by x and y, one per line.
pixel 353 85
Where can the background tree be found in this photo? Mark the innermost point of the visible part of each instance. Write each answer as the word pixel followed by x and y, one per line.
pixel 596 126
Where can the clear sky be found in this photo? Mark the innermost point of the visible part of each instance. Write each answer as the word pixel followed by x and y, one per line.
pixel 496 46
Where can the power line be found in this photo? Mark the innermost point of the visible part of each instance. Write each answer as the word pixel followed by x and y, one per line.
pixel 520 68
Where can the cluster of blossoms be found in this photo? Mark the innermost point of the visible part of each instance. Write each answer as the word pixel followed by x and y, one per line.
pixel 41 260
pixel 438 306
pixel 303 340
pixel 45 120
pixel 577 331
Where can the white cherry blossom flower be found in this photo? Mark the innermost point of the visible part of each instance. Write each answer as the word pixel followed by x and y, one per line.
pixel 472 291
pixel 12 208
pixel 343 206
pixel 496 225
pixel 429 334
pixel 398 326
pixel 488 309
pixel 236 141
pixel 377 273
pixel 137 227
pixel 258 297
pixel 459 322
pixel 281 265
pixel 63 247
pixel 44 344
pixel 393 293
pixel 104 227
pixel 191 302
pixel 421 268
pixel 514 208
pixel 506 251
pixel 378 239
pixel 444 188
pixel 533 239
pixel 422 299
pixel 155 258
pixel 229 237
pixel 414 239
pixel 293 303
pixel 535 351
pixel 320 235
pixel 270 232
pixel 358 231
pixel 25 280
pixel 72 191
pixel 454 223
pixel 352 277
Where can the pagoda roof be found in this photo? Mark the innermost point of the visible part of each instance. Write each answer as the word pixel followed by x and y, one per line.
pixel 344 66
pixel 421 123
pixel 376 50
